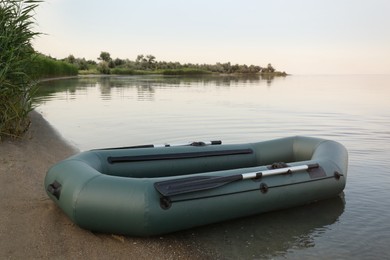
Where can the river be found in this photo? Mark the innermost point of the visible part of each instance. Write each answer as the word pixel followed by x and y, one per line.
pixel 97 112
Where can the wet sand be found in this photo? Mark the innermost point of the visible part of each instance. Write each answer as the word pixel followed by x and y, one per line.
pixel 32 226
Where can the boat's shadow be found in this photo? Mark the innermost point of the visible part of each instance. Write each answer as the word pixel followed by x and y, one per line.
pixel 267 235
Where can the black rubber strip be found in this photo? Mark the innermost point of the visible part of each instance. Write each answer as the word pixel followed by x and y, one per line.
pixel 173 156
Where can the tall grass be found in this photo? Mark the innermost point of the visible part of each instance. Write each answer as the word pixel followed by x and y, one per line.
pixel 16 87
pixel 45 67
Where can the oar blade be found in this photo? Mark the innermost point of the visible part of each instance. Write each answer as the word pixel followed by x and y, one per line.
pixel 193 184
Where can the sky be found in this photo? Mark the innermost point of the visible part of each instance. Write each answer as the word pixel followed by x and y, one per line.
pixel 296 36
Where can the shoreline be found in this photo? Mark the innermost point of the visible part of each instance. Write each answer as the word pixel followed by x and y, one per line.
pixel 32 226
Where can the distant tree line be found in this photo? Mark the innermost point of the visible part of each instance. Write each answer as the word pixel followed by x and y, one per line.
pixel 149 64
pixel 80 63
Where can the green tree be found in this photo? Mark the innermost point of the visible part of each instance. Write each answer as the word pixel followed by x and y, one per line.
pixel 140 58
pixel 71 59
pixel 16 53
pixel 82 64
pixel 151 59
pixel 103 67
pixel 119 62
pixel 105 56
pixel 270 69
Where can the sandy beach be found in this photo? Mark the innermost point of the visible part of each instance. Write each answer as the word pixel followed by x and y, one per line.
pixel 33 227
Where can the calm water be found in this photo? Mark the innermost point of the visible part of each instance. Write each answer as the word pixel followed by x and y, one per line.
pixel 100 112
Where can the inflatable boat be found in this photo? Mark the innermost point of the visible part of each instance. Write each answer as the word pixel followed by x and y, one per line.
pixel 152 190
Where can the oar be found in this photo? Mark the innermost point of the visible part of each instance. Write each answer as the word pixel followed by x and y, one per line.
pixel 166 145
pixel 200 183
pixel 189 144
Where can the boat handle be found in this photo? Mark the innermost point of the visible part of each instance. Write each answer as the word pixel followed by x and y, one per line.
pixel 55 189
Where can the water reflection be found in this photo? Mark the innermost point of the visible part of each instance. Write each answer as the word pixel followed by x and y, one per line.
pixel 145 85
pixel 145 93
pixel 268 78
pixel 268 235
pixel 105 90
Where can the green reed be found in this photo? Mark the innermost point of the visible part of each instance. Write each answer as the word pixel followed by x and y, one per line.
pixel 46 67
pixel 16 87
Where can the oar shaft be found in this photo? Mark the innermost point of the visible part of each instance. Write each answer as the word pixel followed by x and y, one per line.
pixel 251 175
pixel 217 142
